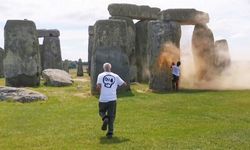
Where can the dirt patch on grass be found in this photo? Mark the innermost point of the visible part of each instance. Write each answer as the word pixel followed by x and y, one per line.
pixel 83 95
pixel 81 80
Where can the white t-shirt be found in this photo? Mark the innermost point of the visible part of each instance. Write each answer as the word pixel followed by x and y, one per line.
pixel 176 70
pixel 109 82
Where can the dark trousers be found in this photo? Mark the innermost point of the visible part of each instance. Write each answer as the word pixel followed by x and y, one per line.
pixel 108 110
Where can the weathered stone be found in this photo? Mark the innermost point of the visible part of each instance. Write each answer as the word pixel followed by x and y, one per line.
pixel 110 45
pixel 1 62
pixel 131 46
pixel 163 45
pixel 203 52
pixel 20 94
pixel 185 16
pixel 142 51
pixel 119 61
pixel 222 56
pixel 48 33
pixel 66 65
pixel 22 58
pixel 56 77
pixel 90 47
pixel 134 11
pixel 79 68
pixel 51 53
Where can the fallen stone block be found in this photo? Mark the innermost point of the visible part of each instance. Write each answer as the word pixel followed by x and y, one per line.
pixel 20 95
pixel 56 77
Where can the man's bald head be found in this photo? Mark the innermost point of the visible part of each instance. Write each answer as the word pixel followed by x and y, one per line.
pixel 107 67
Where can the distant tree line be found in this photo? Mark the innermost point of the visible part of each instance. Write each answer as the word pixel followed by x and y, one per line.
pixel 73 64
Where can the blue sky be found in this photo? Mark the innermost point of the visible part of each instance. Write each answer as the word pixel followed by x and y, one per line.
pixel 229 19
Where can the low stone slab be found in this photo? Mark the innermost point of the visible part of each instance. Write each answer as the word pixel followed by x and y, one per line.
pixel 46 33
pixel 56 77
pixel 20 94
pixel 134 11
pixel 185 16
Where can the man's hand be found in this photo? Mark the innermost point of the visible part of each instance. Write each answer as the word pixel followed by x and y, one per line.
pixel 124 84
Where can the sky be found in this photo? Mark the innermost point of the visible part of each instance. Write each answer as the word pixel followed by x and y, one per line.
pixel 229 19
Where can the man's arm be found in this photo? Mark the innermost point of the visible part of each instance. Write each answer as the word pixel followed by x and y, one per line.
pixel 98 87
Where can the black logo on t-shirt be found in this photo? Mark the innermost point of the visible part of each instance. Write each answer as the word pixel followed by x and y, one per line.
pixel 108 81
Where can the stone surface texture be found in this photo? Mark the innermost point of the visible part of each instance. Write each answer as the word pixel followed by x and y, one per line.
pixel 134 11
pixel 164 41
pixel 56 77
pixel 22 57
pixel 185 16
pixel 20 94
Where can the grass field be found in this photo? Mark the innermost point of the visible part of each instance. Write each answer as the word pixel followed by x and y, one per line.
pixel 189 119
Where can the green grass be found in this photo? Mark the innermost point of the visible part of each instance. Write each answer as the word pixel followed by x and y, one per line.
pixel 189 119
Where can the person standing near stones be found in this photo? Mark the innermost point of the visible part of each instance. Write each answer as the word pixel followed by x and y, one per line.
pixel 176 75
pixel 107 84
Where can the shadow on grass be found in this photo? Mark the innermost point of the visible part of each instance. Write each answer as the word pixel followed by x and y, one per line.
pixel 114 140
pixel 128 93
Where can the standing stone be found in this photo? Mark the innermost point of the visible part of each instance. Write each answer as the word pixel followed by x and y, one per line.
pixel 185 16
pixel 203 52
pixel 131 47
pixel 164 41
pixel 222 56
pixel 110 45
pixel 51 53
pixel 1 62
pixel 22 58
pixel 134 11
pixel 79 68
pixel 41 56
pixel 66 65
pixel 90 47
pixel 142 51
